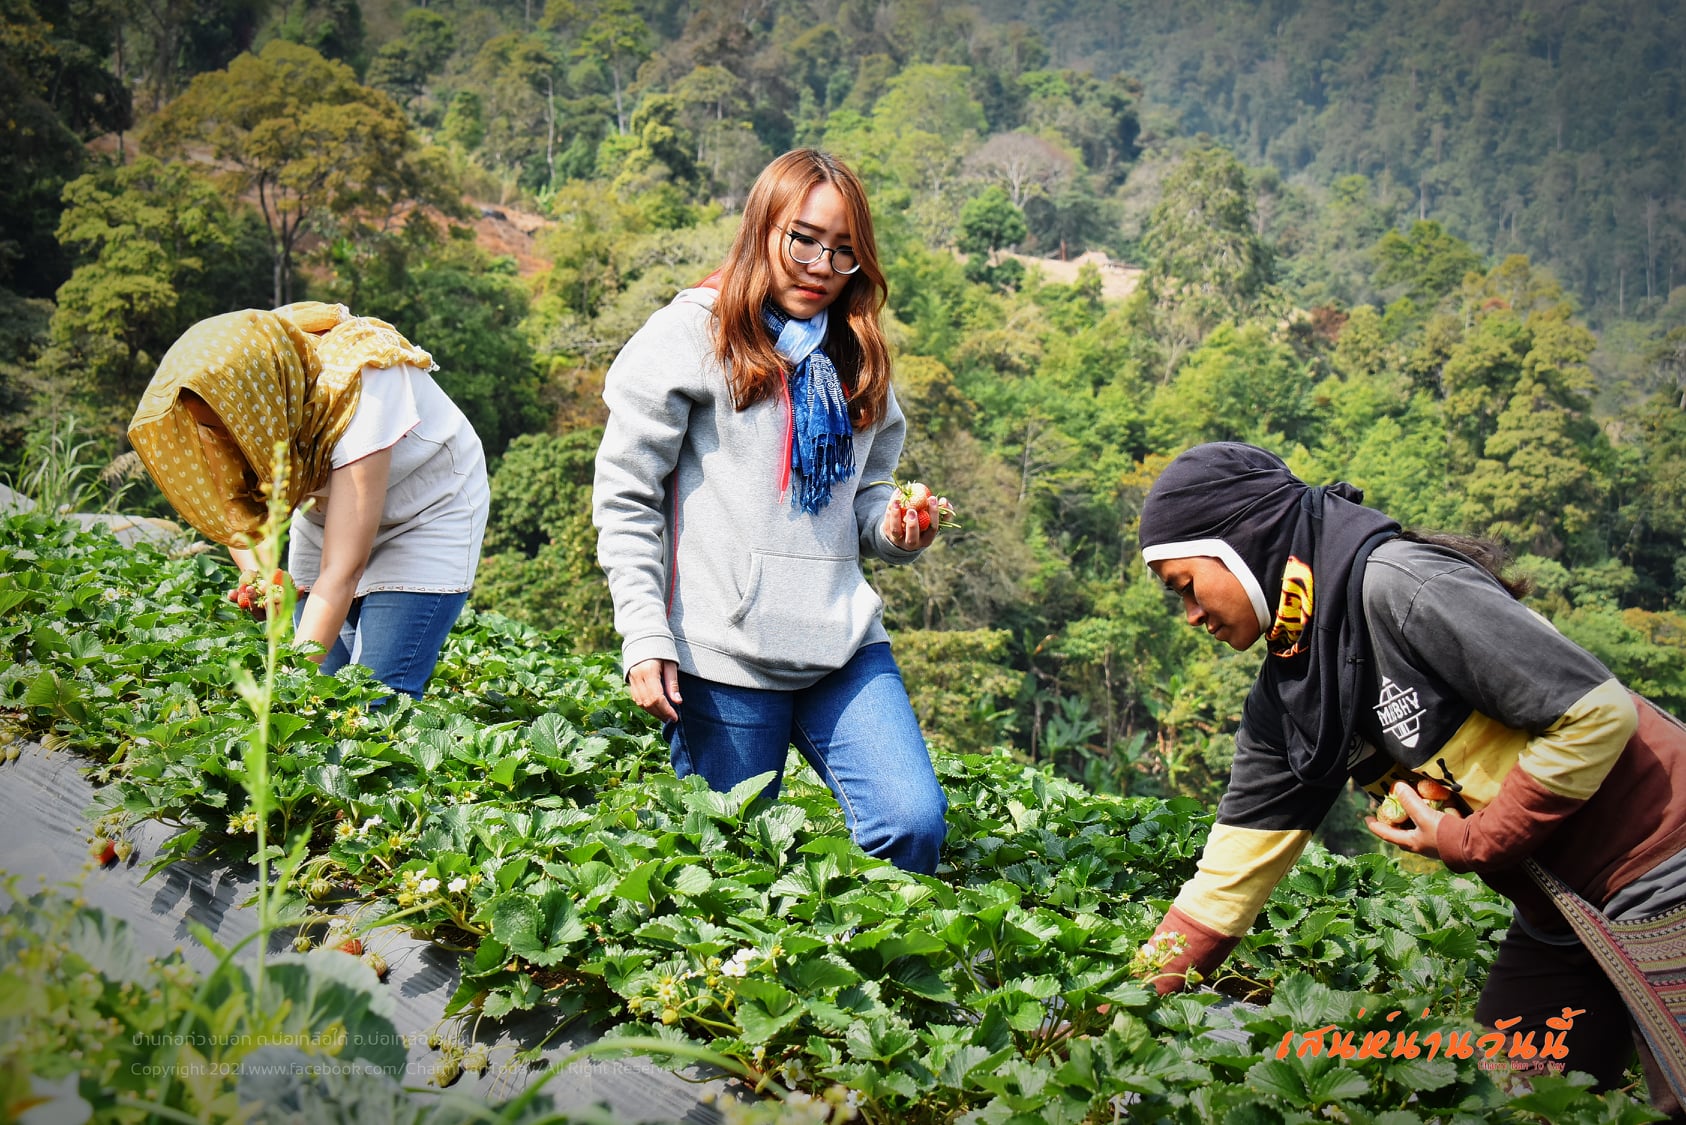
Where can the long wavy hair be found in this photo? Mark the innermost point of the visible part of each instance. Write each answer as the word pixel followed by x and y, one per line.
pixel 854 339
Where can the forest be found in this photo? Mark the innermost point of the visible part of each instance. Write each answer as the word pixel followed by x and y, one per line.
pixel 1435 250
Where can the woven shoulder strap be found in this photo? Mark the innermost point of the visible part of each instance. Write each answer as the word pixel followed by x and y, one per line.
pixel 1645 959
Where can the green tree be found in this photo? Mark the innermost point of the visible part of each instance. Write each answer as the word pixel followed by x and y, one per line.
pixel 1099 116
pixel 662 151
pixel 404 66
pixel 611 35
pixel 989 222
pixel 57 94
pixel 1645 650
pixel 466 309
pixel 914 142
pixel 1205 260
pixel 160 251
pixel 331 28
pixel 522 108
pixel 1654 434
pixel 300 133
pixel 167 42
pixel 1539 482
pixel 540 562
pixel 961 685
pixel 1480 373
pixel 1243 384
pixel 1425 264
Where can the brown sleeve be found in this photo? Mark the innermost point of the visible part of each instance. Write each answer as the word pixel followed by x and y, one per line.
pixel 1522 815
pixel 1206 950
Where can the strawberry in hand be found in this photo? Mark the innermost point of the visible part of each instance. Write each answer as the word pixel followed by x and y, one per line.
pixel 257 597
pixel 926 508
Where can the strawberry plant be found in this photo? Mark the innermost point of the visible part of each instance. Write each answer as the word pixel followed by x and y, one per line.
pixel 524 815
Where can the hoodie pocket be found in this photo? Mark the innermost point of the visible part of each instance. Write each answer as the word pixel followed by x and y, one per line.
pixel 803 611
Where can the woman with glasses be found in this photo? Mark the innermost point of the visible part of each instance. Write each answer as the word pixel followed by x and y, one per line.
pixel 742 477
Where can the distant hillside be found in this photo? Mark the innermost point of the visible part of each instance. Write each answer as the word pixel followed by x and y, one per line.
pixel 1555 128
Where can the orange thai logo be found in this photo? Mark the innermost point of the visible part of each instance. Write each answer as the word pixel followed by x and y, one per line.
pixel 1498 1051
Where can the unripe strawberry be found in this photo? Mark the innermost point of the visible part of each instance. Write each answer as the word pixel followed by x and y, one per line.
pixel 1391 812
pixel 376 962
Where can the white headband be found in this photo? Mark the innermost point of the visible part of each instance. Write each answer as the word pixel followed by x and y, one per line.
pixel 1224 553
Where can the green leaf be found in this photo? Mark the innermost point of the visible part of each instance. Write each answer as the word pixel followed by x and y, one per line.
pixel 48 691
pixel 503 773
pixel 690 879
pixel 522 993
pixel 765 1008
pixel 539 930
pixel 921 979
pixel 818 974
pixel 334 782
pixel 282 727
pixel 745 791
pixel 635 885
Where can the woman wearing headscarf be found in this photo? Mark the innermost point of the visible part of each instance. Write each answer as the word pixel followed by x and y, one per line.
pixel 1397 660
pixel 386 554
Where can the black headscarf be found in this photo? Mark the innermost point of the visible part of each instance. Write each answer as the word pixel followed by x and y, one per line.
pixel 1294 548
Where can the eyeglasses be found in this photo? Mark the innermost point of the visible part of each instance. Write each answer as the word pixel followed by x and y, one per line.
pixel 808 250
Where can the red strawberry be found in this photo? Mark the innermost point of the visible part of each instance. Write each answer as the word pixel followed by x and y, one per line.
pixel 924 518
pixel 243 597
pixel 105 852
pixel 351 945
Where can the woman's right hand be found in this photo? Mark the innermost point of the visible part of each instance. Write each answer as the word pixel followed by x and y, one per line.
pixel 654 686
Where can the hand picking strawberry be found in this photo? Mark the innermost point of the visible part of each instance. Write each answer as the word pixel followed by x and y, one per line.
pixel 256 596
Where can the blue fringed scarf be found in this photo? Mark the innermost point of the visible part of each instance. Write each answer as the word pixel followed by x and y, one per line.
pixel 823 447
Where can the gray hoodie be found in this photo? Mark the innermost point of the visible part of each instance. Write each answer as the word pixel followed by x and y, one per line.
pixel 708 564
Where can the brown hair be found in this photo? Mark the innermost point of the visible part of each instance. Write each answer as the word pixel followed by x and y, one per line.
pixel 1488 554
pixel 853 338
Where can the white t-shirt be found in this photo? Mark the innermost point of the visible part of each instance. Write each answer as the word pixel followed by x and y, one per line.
pixel 434 518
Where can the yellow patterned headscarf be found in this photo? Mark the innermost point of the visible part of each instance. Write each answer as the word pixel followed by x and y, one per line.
pixel 291 375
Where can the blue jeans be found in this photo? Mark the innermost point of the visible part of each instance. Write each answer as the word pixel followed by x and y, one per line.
pixel 395 634
pixel 855 727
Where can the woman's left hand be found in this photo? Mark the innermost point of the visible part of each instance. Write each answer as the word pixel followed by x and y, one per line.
pixel 1421 836
pixel 901 526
